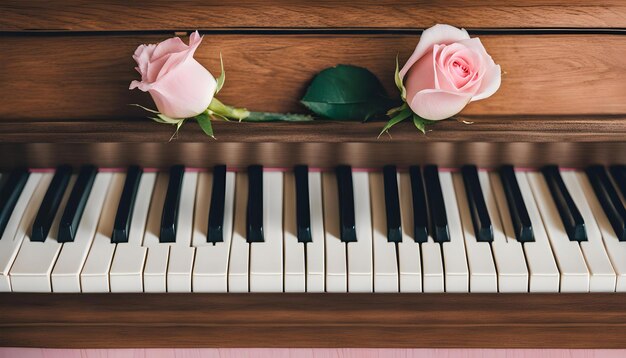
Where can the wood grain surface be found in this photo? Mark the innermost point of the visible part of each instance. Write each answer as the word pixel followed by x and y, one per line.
pixel 87 77
pixel 533 129
pixel 82 15
pixel 314 320
pixel 308 353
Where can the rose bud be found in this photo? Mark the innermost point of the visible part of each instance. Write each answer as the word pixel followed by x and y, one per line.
pixel 179 85
pixel 447 70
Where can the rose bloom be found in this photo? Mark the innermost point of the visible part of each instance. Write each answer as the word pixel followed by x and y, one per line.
pixel 179 85
pixel 447 70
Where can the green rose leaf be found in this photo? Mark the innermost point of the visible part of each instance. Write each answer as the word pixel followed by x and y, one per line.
pixel 222 78
pixel 421 123
pixel 204 120
pixel 347 92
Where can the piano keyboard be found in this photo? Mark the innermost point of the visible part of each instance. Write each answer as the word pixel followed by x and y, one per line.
pixel 345 230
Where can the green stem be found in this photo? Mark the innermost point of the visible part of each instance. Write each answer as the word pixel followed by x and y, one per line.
pixel 270 117
pixel 242 114
pixel 228 112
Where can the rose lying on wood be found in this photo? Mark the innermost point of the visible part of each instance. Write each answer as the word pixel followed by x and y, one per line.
pixel 182 88
pixel 447 70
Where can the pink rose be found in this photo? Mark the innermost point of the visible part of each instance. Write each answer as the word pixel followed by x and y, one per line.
pixel 447 70
pixel 179 85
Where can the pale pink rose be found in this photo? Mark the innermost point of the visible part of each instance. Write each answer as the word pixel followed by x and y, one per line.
pixel 179 85
pixel 447 70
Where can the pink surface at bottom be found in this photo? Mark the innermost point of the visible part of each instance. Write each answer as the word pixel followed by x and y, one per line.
pixel 308 353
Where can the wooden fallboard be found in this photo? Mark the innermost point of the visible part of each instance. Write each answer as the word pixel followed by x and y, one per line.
pixel 314 320
pixel 86 76
pixel 81 15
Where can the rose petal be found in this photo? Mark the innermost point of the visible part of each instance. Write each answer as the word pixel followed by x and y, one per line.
pixel 142 57
pixel 154 68
pixel 177 58
pixel 141 85
pixel 490 83
pixel 476 45
pixel 195 39
pixel 438 34
pixel 171 45
pixel 420 77
pixel 436 104
pixel 185 92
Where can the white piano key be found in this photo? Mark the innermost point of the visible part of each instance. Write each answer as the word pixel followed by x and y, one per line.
pixel 482 269
pixel 315 260
pixel 180 264
pixel 210 272
pixel 433 273
pixel 66 272
pixel 33 264
pixel 360 258
pixel 602 276
pixel 409 255
pixel 336 265
pixel 569 258
pixel 295 275
pixel 266 258
pixel 454 257
pixel 544 273
pixel 507 251
pixel 385 259
pixel 20 222
pixel 240 249
pixel 95 274
pixel 180 268
pixel 155 270
pixel 126 273
pixel 615 249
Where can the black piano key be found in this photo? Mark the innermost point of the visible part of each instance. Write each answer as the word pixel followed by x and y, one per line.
pixel 76 203
pixel 254 214
pixel 517 207
pixel 345 190
pixel 216 212
pixel 123 217
pixel 478 208
pixel 392 204
pixel 420 210
pixel 608 198
pixel 618 172
pixel 569 213
pixel 50 203
pixel 303 208
pixel 169 219
pixel 9 194
pixel 436 205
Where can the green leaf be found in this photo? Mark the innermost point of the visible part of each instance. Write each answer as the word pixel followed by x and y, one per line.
pixel 402 115
pixel 222 78
pixel 178 125
pixel 144 108
pixel 204 120
pixel 421 123
pixel 346 92
pixel 169 120
pixel 398 80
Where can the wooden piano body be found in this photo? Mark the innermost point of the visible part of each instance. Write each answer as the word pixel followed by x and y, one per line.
pixel 64 74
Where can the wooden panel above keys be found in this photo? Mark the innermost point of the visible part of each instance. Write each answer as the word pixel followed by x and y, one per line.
pixel 87 76
pixel 79 15
pixel 314 320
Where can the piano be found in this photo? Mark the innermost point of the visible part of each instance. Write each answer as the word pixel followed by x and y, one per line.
pixel 503 227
